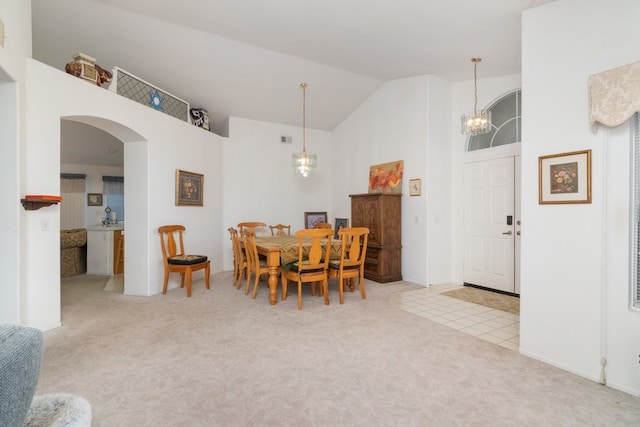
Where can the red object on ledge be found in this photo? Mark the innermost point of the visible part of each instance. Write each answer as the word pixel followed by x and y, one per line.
pixel 43 197
pixel 32 202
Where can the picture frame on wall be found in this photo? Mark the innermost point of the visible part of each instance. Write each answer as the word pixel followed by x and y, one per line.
pixel 415 187
pixel 339 224
pixel 189 188
pixel 94 199
pixel 311 218
pixel 564 178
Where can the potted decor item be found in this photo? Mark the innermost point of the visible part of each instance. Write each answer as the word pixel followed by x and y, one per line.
pixel 85 67
pixel 200 118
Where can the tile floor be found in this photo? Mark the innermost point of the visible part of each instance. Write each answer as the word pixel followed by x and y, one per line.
pixel 495 326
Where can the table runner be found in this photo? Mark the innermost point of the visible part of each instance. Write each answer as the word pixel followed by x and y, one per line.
pixel 288 246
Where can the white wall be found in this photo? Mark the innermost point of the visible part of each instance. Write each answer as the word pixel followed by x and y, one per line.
pixel 575 281
pixel 155 146
pixel 15 14
pixel 259 181
pixel 415 120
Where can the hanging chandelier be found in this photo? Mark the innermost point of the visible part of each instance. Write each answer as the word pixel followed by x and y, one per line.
pixel 478 122
pixel 304 163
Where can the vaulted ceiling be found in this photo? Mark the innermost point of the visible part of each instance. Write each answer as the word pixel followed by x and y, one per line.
pixel 246 58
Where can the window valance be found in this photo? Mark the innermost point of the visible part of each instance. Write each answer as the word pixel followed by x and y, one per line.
pixel 106 178
pixel 614 95
pixel 73 176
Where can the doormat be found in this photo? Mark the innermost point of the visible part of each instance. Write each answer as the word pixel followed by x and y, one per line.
pixel 495 300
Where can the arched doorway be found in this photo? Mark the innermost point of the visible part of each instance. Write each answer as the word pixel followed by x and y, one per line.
pixel 134 161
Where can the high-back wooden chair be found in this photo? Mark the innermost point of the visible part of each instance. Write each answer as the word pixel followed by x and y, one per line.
pixel 256 265
pixel 314 249
pixel 176 260
pixel 280 230
pixel 351 262
pixel 255 227
pixel 239 258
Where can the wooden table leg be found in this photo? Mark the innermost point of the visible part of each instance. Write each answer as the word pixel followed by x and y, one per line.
pixel 273 285
pixel 273 262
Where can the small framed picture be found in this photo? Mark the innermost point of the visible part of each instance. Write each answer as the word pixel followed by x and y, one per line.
pixel 415 187
pixel 94 199
pixel 564 178
pixel 311 218
pixel 189 188
pixel 340 223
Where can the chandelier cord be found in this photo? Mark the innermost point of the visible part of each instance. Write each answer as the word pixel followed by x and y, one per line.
pixel 475 88
pixel 304 117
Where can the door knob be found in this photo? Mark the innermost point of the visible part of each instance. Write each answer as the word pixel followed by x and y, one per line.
pixel 517 233
pixel 508 233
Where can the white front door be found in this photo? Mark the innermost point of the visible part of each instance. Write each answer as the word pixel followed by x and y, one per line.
pixel 490 224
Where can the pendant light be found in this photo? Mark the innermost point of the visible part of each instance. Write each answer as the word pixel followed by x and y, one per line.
pixel 303 163
pixel 478 122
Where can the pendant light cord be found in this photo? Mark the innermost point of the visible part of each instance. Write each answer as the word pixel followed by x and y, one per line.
pixel 304 117
pixel 475 86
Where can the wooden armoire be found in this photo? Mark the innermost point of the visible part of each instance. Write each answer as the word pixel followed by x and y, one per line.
pixel 381 214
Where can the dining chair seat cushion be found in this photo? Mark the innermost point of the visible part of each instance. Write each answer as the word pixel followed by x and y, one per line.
pixel 294 267
pixel 335 265
pixel 186 259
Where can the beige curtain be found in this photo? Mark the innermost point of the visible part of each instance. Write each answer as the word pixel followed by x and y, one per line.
pixel 614 95
pixel 73 192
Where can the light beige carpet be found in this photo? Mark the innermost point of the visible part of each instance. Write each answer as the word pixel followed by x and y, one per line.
pixel 491 299
pixel 220 358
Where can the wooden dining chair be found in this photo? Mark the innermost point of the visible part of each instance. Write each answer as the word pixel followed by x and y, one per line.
pixel 239 258
pixel 252 226
pixel 314 249
pixel 351 263
pixel 280 230
pixel 255 265
pixel 322 225
pixel 176 260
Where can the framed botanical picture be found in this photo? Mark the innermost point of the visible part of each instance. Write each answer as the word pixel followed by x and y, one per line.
pixel 415 187
pixel 340 223
pixel 311 218
pixel 189 188
pixel 94 199
pixel 565 178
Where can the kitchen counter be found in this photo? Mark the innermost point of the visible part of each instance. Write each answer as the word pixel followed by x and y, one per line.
pixel 101 243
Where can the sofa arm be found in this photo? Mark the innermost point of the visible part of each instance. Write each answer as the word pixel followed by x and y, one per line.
pixel 20 359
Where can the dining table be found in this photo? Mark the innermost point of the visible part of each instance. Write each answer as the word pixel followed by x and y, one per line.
pixel 282 251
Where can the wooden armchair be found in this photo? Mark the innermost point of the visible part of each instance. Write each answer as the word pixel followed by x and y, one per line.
pixel 177 261
pixel 314 249
pixel 280 230
pixel 351 262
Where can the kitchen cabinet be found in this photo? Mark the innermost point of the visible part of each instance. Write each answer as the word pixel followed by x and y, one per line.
pixel 101 244
pixel 381 213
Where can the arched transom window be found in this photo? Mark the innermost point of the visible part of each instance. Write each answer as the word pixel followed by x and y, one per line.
pixel 506 119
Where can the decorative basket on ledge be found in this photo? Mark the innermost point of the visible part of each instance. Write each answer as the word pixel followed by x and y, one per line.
pixel 142 92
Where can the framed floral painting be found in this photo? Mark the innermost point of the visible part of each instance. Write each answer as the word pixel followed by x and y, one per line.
pixel 189 188
pixel 386 177
pixel 565 178
pixel 312 218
